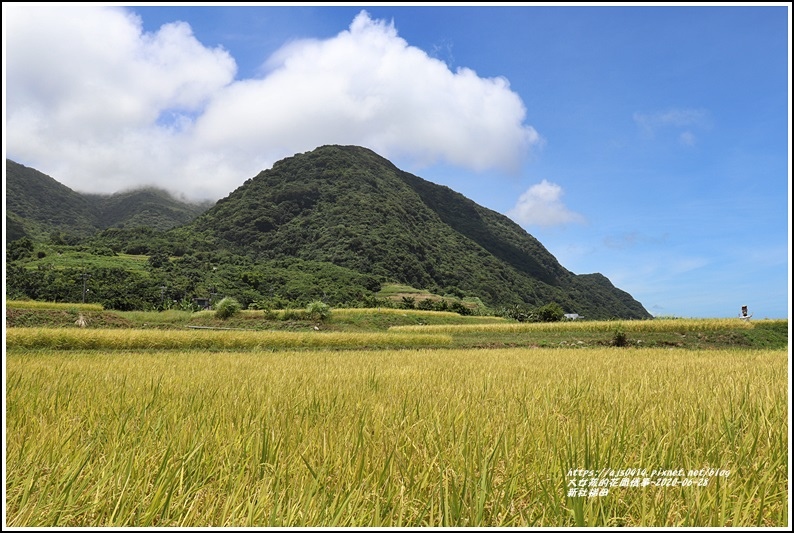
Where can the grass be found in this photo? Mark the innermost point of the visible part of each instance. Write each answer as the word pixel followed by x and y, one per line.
pixel 394 438
pixel 385 318
pixel 135 339
pixel 466 331
pixel 28 313
pixel 54 306
pixel 167 318
pixel 88 260
pixel 396 292
pixel 678 333
pixel 653 326
pixel 390 290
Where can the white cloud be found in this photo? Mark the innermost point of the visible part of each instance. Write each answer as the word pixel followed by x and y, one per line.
pixel 86 88
pixel 541 205
pixel 368 86
pixel 677 119
pixel 101 105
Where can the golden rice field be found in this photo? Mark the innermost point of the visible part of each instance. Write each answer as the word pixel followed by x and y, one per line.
pixel 683 325
pixel 30 304
pixel 409 437
pixel 141 339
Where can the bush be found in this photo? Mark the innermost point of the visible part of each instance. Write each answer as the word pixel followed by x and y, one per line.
pixel 519 312
pixel 551 312
pixel 318 311
pixel 226 308
pixel 619 337
pixel 294 314
pixel 459 308
pixel 427 304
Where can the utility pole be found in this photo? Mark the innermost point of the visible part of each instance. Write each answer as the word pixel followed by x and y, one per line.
pixel 162 297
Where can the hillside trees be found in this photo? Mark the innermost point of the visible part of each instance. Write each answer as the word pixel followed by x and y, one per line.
pixel 332 224
pixel 162 278
pixel 19 249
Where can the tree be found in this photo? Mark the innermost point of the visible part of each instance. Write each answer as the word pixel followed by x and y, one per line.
pixel 408 302
pixel 551 312
pixel 227 308
pixel 20 248
pixel 158 259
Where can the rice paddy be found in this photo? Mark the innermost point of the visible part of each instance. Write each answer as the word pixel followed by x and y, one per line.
pixel 135 339
pixel 650 326
pixel 29 304
pixel 174 428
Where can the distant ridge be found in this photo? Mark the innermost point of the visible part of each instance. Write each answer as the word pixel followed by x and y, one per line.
pixel 37 205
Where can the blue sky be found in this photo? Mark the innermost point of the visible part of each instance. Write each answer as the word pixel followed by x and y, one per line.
pixel 648 143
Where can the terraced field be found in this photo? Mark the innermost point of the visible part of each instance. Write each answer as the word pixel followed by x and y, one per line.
pixel 395 427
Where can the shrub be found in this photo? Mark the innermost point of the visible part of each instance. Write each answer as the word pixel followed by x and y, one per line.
pixel 459 308
pixel 293 314
pixel 619 337
pixel 551 312
pixel 318 310
pixel 427 304
pixel 226 308
pixel 519 312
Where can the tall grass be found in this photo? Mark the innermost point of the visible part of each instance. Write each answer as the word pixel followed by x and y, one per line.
pixel 417 315
pixel 392 438
pixel 169 316
pixel 396 311
pixel 137 339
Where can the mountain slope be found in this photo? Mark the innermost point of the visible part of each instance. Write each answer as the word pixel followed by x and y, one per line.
pixel 37 205
pixel 348 206
pixel 149 207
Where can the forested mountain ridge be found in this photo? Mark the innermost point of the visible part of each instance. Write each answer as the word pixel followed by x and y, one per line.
pixel 38 205
pixel 335 223
pixel 349 206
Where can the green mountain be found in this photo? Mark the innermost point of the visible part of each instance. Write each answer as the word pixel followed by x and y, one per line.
pixel 38 205
pixel 347 206
pixel 147 207
pixel 334 224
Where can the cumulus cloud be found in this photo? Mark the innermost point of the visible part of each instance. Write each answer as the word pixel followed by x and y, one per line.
pixel 368 86
pixel 101 105
pixel 541 205
pixel 87 87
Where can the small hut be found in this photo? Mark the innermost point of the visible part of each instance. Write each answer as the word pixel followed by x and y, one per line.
pixel 202 303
